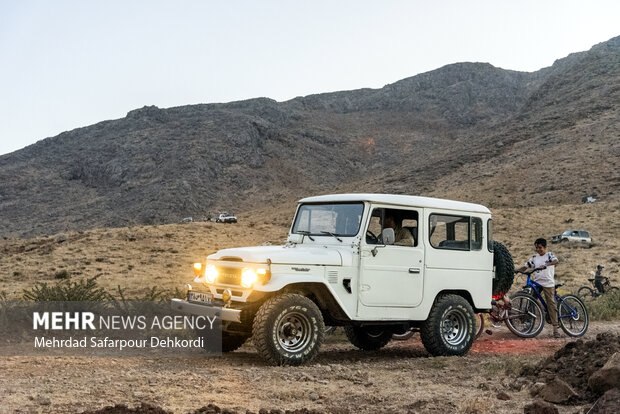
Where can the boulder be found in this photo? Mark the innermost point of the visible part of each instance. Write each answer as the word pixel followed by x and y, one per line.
pixel 607 377
pixel 609 403
pixel 557 391
pixel 540 407
pixel 503 396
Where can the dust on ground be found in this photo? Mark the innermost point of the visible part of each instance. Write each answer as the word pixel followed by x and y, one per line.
pixel 400 378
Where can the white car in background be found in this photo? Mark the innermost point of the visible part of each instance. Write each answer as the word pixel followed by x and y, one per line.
pixel 577 236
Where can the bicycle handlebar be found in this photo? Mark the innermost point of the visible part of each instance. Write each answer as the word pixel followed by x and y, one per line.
pixel 530 272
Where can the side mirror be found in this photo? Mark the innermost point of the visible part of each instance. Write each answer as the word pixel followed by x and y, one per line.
pixel 295 238
pixel 387 235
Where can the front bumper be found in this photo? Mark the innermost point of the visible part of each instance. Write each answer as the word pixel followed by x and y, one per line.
pixel 231 315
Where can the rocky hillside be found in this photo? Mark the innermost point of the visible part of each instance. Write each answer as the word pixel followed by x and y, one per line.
pixel 466 131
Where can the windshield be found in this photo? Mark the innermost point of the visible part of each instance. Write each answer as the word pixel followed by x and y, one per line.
pixel 340 219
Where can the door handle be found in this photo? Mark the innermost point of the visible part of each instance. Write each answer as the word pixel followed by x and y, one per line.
pixel 414 270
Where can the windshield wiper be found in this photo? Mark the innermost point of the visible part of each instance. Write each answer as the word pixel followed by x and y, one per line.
pixel 332 234
pixel 305 233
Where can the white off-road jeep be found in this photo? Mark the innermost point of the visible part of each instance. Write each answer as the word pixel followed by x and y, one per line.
pixel 376 264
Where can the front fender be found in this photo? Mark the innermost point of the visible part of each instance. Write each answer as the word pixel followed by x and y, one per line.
pixel 315 279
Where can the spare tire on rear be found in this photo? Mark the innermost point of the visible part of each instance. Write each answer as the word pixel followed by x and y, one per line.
pixel 504 269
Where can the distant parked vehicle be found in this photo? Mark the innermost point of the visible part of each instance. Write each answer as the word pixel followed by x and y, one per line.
pixel 579 236
pixel 226 218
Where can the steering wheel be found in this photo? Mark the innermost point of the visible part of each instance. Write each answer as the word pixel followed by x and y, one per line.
pixel 371 238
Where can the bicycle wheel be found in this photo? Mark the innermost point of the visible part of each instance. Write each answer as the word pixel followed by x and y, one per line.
pixel 572 316
pixel 586 293
pixel 525 316
pixel 479 325
pixel 613 290
pixel 403 336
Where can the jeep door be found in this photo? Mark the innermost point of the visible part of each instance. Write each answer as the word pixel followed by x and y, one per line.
pixel 392 275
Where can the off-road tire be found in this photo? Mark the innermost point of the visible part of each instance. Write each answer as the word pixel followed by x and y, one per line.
pixel 450 328
pixel 232 342
pixel 368 338
pixel 281 319
pixel 504 268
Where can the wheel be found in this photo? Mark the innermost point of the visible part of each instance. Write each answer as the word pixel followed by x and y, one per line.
pixel 563 240
pixel 479 325
pixel 613 290
pixel 503 268
pixel 572 316
pixel 368 338
pixel 232 342
pixel 288 329
pixel 525 317
pixel 586 293
pixel 449 328
pixel 403 336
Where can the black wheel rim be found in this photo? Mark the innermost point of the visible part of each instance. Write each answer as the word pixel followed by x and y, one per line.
pixel 454 327
pixel 294 332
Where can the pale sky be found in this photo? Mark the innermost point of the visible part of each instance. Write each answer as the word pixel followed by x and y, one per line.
pixel 68 64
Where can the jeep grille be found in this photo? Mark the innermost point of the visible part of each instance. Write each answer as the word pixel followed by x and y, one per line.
pixel 229 276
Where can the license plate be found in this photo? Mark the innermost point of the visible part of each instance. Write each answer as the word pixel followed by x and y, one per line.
pixel 200 297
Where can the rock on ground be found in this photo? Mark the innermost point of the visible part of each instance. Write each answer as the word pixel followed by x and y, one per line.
pixel 607 377
pixel 609 403
pixel 540 407
pixel 558 391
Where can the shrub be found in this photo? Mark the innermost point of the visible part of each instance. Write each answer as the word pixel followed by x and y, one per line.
pixel 62 274
pixel 606 307
pixel 83 290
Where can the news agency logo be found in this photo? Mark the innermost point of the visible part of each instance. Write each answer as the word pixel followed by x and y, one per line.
pixel 87 320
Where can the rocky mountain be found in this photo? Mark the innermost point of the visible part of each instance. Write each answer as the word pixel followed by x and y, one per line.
pixel 467 131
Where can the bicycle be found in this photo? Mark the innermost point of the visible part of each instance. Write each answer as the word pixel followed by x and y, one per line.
pixel 587 293
pixel 572 312
pixel 522 315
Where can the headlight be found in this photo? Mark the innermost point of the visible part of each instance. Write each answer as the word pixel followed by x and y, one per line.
pixel 197 268
pixel 211 273
pixel 248 277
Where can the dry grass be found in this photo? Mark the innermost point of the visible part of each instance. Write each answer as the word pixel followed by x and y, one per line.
pixel 138 258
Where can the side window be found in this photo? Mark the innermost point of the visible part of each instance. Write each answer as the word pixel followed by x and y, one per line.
pixel 404 223
pixel 449 232
pixel 476 233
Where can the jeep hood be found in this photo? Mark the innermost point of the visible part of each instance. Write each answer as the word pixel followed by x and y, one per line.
pixel 296 254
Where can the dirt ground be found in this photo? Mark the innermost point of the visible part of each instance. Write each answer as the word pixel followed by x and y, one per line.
pixel 400 378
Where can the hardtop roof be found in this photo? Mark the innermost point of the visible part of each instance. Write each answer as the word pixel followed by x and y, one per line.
pixel 396 199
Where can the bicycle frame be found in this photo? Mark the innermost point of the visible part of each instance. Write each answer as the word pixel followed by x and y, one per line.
pixel 537 288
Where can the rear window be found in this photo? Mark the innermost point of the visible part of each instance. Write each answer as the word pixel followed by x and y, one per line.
pixel 490 235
